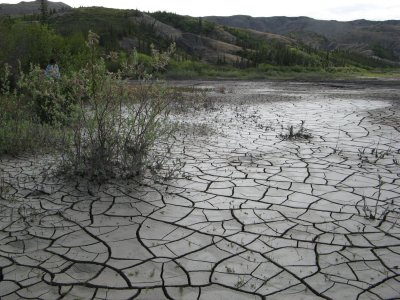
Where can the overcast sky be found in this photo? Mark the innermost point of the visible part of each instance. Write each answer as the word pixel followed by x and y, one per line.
pixel 343 10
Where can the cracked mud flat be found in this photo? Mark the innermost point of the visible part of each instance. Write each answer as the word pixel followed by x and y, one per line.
pixel 252 216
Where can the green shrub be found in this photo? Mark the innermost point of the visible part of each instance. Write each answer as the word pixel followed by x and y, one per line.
pixel 113 125
pixel 100 125
pixel 20 127
pixel 28 43
pixel 49 98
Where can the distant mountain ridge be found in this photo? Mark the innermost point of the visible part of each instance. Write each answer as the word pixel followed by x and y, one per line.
pixel 364 36
pixel 31 7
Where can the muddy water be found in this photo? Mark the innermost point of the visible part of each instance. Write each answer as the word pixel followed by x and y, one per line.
pixel 253 214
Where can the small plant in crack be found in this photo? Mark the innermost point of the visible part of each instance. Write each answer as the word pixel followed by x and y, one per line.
pixel 300 134
pixel 5 190
pixel 28 212
pixel 375 154
pixel 336 149
pixel 371 212
pixel 165 168
pixel 362 156
pixel 380 154
pixel 221 89
pixel 379 194
pixel 151 275
pixel 397 218
pixel 229 269
pixel 264 127
pixel 240 282
pixel 368 212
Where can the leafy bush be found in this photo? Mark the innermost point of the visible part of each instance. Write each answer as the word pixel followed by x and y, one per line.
pixel 28 43
pixel 102 126
pixel 49 98
pixel 20 127
pixel 114 125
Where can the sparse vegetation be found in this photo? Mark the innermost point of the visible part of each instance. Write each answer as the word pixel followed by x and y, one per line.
pixel 229 269
pixel 300 134
pixel 4 188
pixel 240 282
pixel 151 275
pixel 380 211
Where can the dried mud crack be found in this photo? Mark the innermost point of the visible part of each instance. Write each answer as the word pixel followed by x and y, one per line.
pixel 251 215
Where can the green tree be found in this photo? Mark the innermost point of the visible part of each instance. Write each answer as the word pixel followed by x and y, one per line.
pixel 28 43
pixel 44 13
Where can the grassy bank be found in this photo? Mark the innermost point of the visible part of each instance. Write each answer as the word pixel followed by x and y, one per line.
pixel 200 70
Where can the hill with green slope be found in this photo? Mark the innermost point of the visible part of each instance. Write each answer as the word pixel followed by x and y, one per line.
pixel 32 7
pixel 202 44
pixel 371 38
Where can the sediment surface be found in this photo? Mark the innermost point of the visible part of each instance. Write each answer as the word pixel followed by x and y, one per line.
pixel 254 214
